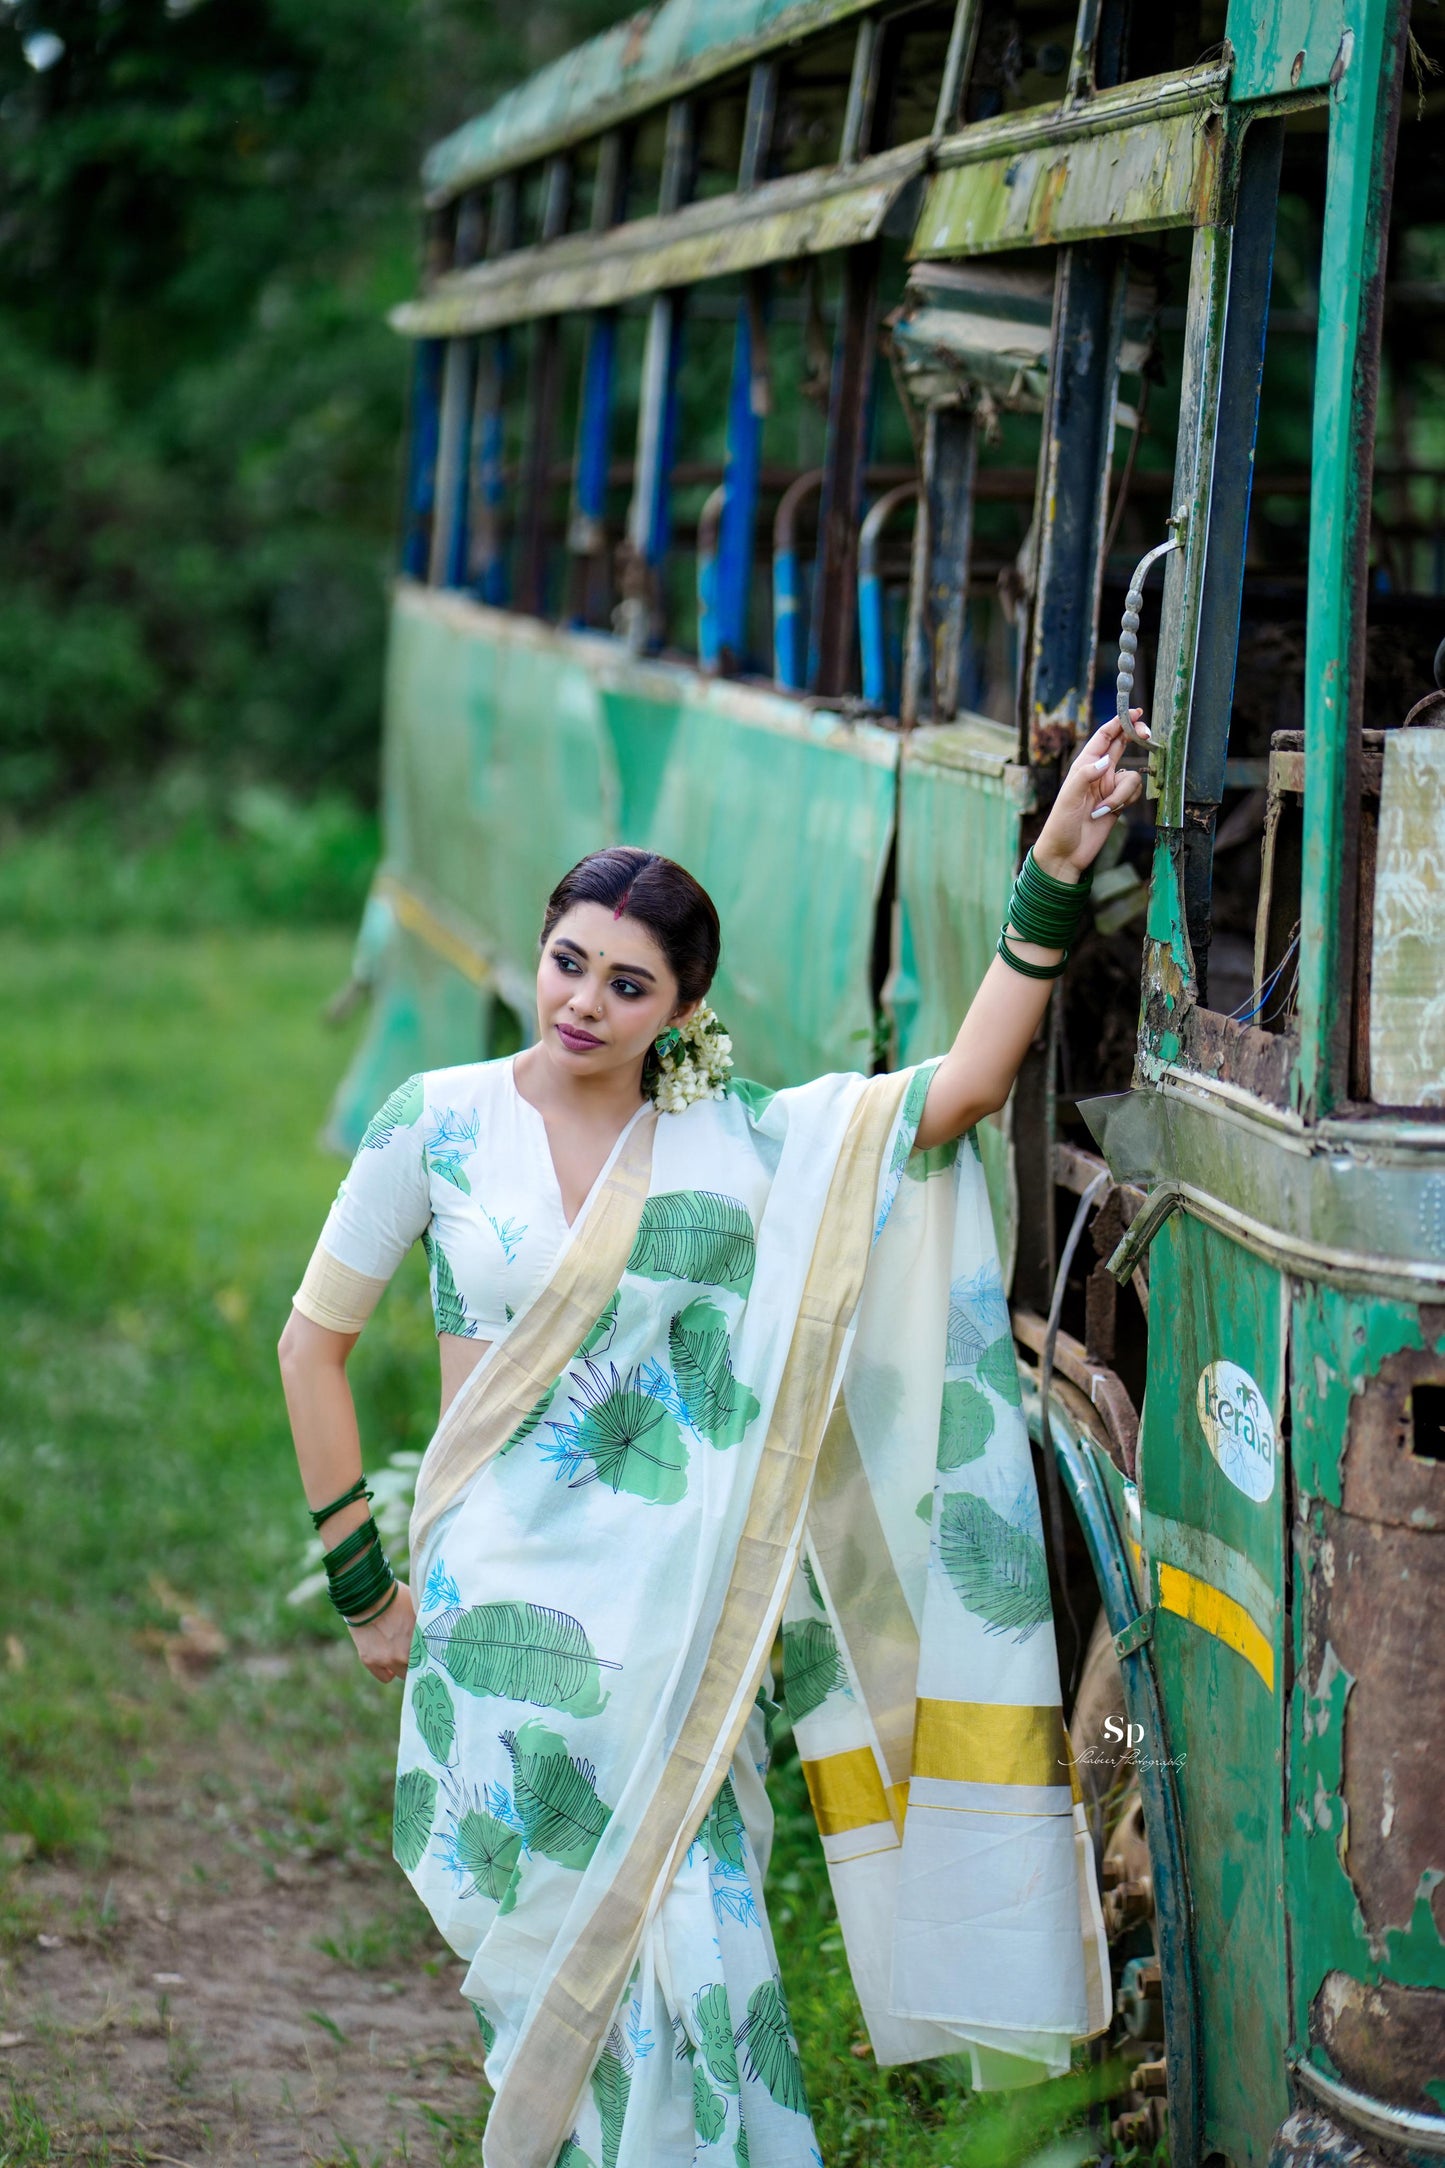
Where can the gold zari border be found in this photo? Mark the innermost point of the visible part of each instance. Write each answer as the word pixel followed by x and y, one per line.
pixel 848 1793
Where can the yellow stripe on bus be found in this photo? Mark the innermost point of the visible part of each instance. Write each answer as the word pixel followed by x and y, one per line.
pixel 1208 1607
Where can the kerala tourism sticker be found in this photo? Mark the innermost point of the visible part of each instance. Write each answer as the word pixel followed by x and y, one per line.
pixel 1235 1418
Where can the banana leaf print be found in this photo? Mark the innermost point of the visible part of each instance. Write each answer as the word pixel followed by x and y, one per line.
pixel 530 1420
pixel 715 2035
pixel 611 2084
pixel 719 1406
pixel 709 2114
pixel 811 1577
pixel 722 1831
pixel 572 2156
pixel 626 1433
pixel 757 1098
pixel 522 1652
pixel 451 1314
pixel 771 2050
pixel 416 1655
pixel 999 1368
pixel 965 1425
pixel 997 1570
pixel 485 2027
pixel 812 1667
pixel 411 1818
pixel 694 1234
pixel 436 1719
pixel 978 1313
pixel 400 1111
pixel 741 2155
pixel 602 1331
pixel 555 1795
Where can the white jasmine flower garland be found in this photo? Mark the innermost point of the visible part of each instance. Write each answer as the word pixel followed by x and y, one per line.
pixel 695 1066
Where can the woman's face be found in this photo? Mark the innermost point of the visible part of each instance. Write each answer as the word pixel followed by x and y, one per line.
pixel 605 991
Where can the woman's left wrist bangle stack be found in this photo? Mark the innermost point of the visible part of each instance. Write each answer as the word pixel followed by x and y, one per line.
pixel 1045 912
pixel 359 1577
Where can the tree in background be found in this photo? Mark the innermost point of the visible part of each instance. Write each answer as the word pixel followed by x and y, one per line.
pixel 205 212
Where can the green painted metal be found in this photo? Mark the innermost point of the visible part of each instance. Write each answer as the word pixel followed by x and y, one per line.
pixel 1357 194
pixel 650 57
pixel 775 223
pixel 962 797
pixel 1224 1721
pixel 1290 46
pixel 1125 179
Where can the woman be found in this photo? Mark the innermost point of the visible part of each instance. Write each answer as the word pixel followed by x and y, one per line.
pixel 650 1289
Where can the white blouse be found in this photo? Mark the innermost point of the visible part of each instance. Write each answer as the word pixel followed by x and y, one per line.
pixel 461 1159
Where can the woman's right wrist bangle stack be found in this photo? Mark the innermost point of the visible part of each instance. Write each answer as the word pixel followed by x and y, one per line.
pixel 1046 912
pixel 359 1577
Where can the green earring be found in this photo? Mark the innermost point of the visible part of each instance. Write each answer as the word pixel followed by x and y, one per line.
pixel 664 1045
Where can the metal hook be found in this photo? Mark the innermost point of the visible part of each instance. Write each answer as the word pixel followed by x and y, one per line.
pixel 1129 630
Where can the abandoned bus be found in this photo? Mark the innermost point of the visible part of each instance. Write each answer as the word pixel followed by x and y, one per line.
pixel 823 412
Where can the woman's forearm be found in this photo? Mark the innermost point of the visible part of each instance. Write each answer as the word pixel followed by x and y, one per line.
pixel 977 1074
pixel 323 1419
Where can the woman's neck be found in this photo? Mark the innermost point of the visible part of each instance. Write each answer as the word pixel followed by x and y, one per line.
pixel 610 1099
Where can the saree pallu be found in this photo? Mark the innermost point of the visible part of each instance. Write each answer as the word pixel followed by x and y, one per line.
pixel 771 1379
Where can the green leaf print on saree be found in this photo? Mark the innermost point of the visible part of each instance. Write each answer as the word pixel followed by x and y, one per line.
pixel 400 1111
pixel 719 1406
pixel 602 1331
pixel 722 1829
pixel 709 2114
pixel 411 1819
pixel 436 1719
pixel 451 1315
pixel 812 1667
pixel 697 1235
pixel 522 1652
pixel 978 1315
pixel 997 1569
pixel 619 1434
pixel 530 1420
pixel 572 2156
pixel 554 1795
pixel 998 1367
pixel 611 2084
pixel 771 2050
pixel 482 1849
pixel 485 2027
pixel 714 2019
pixel 965 1425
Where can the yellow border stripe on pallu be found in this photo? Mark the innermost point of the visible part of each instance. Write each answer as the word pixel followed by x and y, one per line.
pixel 1208 1607
pixel 848 1793
pixel 986 1742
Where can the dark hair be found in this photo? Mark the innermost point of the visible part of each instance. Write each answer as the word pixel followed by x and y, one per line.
pixel 661 895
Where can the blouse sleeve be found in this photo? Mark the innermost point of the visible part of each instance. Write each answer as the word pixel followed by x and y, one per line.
pixel 380 1209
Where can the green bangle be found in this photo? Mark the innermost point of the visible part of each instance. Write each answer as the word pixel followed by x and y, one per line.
pixel 1030 971
pixel 376 1614
pixel 1045 911
pixel 348 1497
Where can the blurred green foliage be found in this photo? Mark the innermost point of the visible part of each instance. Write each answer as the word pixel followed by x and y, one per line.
pixel 207 210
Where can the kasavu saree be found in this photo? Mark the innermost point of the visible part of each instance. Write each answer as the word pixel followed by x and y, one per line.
pixel 769 1381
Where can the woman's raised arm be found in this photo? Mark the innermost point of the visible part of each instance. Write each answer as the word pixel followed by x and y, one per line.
pixel 976 1075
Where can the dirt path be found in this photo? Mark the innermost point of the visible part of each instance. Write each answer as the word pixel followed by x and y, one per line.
pixel 175 2007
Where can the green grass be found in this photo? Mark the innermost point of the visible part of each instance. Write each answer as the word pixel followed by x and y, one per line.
pixel 160 1190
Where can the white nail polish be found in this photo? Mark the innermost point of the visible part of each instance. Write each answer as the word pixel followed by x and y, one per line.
pixel 1099 812
pixel 1101 765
